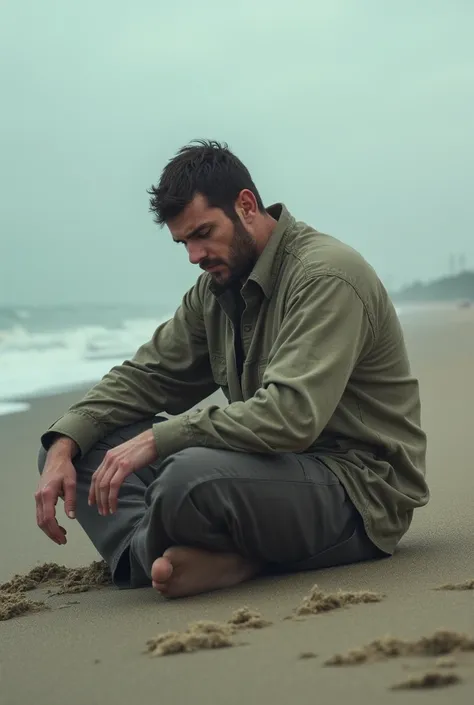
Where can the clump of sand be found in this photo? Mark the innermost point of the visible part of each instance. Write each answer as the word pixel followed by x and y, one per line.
pixel 67 580
pixel 94 576
pixel 200 635
pixel 442 642
pixel 40 575
pixel 318 601
pixel 245 618
pixel 445 662
pixel 15 604
pixel 13 601
pixel 206 635
pixel 304 655
pixel 466 585
pixel 431 679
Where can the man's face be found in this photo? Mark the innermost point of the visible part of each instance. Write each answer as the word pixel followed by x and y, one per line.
pixel 220 246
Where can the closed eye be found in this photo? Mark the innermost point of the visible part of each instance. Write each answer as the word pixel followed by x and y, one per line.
pixel 199 235
pixel 203 235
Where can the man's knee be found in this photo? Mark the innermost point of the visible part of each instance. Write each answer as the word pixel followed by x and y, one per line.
pixel 183 472
pixel 41 459
pixel 186 469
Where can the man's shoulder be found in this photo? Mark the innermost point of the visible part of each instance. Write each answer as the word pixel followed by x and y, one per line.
pixel 315 253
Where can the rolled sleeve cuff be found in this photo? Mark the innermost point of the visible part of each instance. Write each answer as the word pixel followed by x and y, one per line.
pixel 81 429
pixel 173 435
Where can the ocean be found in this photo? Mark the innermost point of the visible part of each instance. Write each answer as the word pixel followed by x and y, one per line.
pixel 47 350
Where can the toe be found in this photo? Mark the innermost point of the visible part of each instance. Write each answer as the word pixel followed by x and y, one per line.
pixel 161 571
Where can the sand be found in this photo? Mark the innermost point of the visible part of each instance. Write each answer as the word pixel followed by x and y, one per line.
pixel 318 602
pixel 95 648
pixel 13 601
pixel 66 580
pixel 206 635
pixel 466 585
pixel 440 643
pixel 432 679
pixel 15 604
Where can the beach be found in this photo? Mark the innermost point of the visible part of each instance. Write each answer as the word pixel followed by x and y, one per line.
pixel 91 647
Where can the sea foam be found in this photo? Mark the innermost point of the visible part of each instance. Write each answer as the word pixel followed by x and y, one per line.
pixel 39 364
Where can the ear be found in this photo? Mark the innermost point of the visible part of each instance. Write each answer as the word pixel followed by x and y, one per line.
pixel 246 206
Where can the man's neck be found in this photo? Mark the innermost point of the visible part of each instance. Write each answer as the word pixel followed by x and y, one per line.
pixel 264 231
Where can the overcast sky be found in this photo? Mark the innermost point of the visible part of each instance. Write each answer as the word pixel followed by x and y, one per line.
pixel 357 114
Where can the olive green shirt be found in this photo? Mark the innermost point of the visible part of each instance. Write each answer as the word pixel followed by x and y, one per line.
pixel 325 370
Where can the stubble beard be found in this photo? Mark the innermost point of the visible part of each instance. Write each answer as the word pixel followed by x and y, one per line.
pixel 242 257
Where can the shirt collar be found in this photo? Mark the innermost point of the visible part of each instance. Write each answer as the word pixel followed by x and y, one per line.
pixel 267 267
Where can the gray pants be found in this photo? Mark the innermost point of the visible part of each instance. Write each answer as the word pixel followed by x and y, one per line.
pixel 288 511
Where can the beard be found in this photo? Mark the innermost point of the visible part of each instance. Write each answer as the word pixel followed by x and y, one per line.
pixel 242 258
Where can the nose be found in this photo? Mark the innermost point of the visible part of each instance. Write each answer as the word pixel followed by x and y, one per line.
pixel 196 252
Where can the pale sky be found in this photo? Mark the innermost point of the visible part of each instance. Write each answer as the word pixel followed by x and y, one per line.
pixel 357 114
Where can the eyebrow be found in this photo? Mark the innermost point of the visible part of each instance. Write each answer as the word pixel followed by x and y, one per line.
pixel 194 232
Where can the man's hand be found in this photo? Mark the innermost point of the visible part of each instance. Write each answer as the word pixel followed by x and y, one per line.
pixel 118 463
pixel 57 480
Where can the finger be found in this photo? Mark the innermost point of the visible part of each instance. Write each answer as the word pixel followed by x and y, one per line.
pixel 40 520
pixel 104 474
pixel 93 495
pixel 92 499
pixel 49 524
pixel 103 490
pixel 115 485
pixel 70 498
pixel 39 508
pixel 52 529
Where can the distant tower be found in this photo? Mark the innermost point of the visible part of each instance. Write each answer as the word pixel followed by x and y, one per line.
pixel 452 264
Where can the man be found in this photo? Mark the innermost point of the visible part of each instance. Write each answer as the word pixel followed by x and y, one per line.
pixel 318 458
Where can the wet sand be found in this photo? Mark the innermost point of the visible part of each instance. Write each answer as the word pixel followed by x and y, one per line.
pixel 104 645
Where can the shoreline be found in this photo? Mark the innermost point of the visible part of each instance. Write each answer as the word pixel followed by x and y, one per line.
pixel 23 402
pixel 27 402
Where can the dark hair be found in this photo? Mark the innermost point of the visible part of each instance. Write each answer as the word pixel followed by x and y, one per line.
pixel 205 167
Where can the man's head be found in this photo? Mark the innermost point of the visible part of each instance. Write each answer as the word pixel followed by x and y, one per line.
pixel 209 202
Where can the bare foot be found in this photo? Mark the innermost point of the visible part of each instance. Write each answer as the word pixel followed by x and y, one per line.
pixel 183 571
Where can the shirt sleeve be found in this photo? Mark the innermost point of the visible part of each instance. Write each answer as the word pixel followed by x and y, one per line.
pixel 170 373
pixel 324 331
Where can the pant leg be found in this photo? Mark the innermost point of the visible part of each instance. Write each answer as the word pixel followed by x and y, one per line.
pixel 111 534
pixel 288 511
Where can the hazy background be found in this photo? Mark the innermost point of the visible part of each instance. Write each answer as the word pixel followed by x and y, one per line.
pixel 357 114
